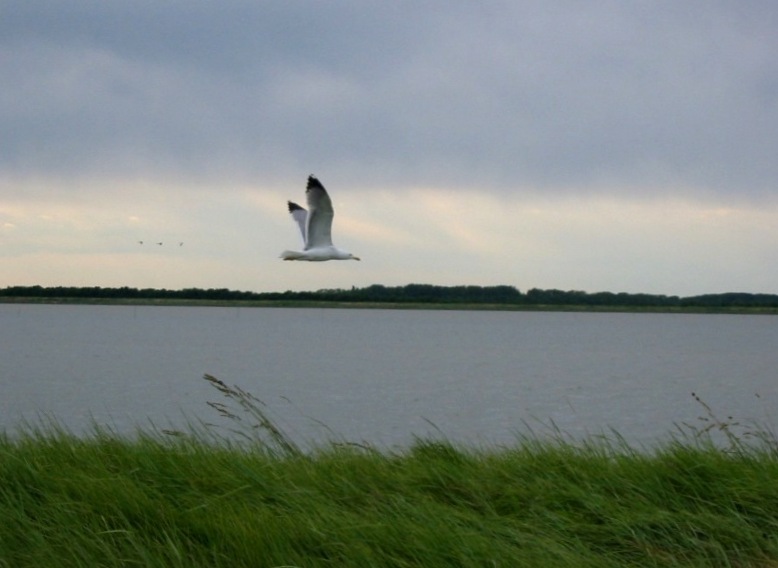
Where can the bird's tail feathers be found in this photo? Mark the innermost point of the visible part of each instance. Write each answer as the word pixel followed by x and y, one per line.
pixel 290 255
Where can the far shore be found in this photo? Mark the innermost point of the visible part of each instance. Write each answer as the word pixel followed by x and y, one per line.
pixel 390 305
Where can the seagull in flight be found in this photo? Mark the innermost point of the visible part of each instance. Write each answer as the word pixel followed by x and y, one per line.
pixel 316 226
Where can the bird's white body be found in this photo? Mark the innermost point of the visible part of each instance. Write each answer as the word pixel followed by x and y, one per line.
pixel 316 227
pixel 318 254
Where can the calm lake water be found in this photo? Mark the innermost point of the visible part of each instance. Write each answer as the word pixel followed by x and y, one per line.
pixel 383 376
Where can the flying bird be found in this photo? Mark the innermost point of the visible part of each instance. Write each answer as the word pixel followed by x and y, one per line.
pixel 316 226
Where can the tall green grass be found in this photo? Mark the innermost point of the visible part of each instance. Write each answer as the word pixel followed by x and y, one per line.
pixel 189 500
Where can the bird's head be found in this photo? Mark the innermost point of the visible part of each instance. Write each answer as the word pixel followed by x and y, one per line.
pixel 340 254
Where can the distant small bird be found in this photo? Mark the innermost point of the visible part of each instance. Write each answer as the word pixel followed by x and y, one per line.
pixel 180 244
pixel 140 242
pixel 315 226
pixel 160 244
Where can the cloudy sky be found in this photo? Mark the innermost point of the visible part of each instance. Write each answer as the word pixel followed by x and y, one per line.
pixel 604 145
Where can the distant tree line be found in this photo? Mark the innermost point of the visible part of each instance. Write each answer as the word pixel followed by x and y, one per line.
pixel 411 293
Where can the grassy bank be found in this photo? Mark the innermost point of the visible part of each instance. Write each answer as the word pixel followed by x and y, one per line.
pixel 183 500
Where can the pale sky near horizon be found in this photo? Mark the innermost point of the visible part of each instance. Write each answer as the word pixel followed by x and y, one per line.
pixel 606 145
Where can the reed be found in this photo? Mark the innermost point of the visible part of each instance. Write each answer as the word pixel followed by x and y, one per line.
pixel 157 499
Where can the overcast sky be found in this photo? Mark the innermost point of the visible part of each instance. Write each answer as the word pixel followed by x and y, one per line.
pixel 604 145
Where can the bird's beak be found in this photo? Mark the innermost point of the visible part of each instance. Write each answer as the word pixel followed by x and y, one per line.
pixel 356 258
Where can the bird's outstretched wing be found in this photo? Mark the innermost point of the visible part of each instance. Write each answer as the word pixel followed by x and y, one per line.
pixel 299 215
pixel 318 228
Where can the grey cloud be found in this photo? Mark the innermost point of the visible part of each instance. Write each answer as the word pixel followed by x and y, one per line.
pixel 604 94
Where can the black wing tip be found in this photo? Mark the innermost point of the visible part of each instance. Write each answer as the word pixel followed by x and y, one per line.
pixel 313 182
pixel 293 207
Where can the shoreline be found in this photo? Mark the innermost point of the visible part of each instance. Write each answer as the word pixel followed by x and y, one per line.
pixel 175 302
